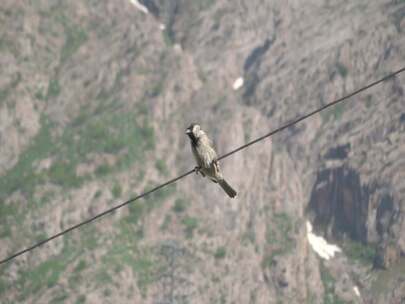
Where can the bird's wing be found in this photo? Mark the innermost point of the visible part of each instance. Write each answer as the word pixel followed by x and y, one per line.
pixel 208 155
pixel 217 168
pixel 206 152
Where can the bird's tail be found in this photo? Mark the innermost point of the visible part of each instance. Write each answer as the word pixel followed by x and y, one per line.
pixel 227 188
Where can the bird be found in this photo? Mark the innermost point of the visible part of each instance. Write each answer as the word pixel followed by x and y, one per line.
pixel 206 158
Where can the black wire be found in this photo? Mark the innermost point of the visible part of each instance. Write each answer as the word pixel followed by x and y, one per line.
pixel 95 217
pixel 293 122
pixel 299 119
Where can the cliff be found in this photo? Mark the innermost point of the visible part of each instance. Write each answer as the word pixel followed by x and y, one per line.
pixel 95 97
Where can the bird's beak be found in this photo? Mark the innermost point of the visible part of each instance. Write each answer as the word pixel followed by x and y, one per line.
pixel 188 131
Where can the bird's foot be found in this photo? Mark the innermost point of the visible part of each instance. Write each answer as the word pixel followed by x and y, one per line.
pixel 198 171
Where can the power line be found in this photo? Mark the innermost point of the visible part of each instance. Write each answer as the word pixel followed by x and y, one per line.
pixel 287 125
pixel 95 217
pixel 299 119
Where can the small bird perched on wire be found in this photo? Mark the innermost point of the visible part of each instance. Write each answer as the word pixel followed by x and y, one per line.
pixel 206 157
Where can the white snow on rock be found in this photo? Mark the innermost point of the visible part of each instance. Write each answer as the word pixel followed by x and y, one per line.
pixel 321 247
pixel 139 6
pixel 238 83
pixel 356 291
pixel 177 47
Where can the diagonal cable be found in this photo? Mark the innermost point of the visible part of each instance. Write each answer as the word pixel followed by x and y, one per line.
pixel 279 129
pixel 301 118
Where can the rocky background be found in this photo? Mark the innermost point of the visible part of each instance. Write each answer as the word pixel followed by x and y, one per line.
pixel 94 100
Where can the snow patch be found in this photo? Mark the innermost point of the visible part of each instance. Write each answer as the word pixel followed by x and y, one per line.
pixel 320 246
pixel 238 83
pixel 139 6
pixel 177 48
pixel 356 291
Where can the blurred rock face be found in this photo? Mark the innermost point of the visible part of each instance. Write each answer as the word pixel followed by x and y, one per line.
pixel 338 199
pixel 94 100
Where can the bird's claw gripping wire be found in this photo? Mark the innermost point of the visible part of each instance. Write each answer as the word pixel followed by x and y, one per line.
pixel 197 170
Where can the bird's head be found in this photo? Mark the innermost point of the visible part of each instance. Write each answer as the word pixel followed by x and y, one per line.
pixel 194 132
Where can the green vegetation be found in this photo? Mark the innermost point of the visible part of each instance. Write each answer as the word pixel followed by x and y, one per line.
pixel 46 274
pixel 67 151
pixel 22 176
pixel 76 275
pixel 311 298
pixel 203 4
pixel 4 94
pixel 362 253
pixel 336 112
pixel 125 251
pixel 80 266
pixel 157 87
pixel 8 215
pixel 109 129
pixel 107 292
pixel 71 149
pixel 103 170
pixel 398 16
pixel 115 133
pixel 156 198
pixel 116 190
pixel 167 38
pixel 64 174
pixel 40 94
pixel 328 281
pixel 89 237
pixel 385 279
pixel 97 194
pixel 60 298
pixel 220 253
pixel 369 101
pixel 342 69
pixel 75 36
pixel 39 235
pixel 6 91
pixel 3 286
pixel 279 229
pixel 190 224
pixel 53 89
pixel 8 45
pixel 249 236
pixel 179 205
pixel 166 222
pixel 81 299
pixel 109 133
pixel 136 211
pixel 278 237
pixel 222 299
pixel 143 266
pixel 162 167
pixel 103 277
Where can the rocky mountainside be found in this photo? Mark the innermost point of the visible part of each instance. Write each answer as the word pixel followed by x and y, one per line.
pixel 95 97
